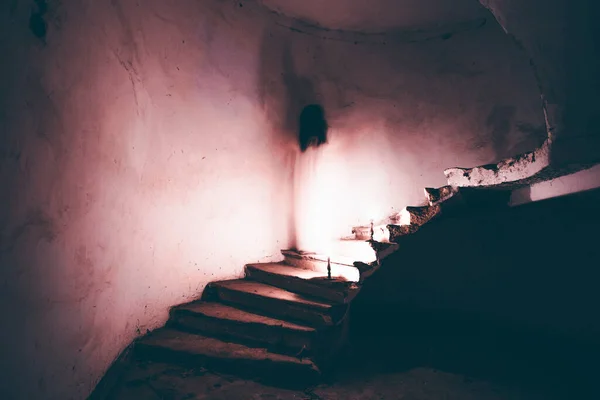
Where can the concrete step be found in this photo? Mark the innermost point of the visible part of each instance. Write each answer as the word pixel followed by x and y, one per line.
pixel 446 201
pixel 229 323
pixel 340 266
pixel 382 250
pixel 439 195
pixel 298 280
pixel 276 302
pixel 398 231
pixel 418 215
pixel 173 346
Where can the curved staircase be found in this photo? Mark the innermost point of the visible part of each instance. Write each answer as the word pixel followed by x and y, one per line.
pixel 287 321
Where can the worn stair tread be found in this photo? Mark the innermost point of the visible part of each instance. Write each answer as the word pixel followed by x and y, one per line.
pixel 283 269
pixel 340 266
pixel 211 348
pixel 311 283
pixel 316 277
pixel 335 259
pixel 222 311
pixel 263 290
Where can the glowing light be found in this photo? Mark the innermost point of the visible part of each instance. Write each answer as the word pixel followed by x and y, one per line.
pixel 334 193
pixel 314 203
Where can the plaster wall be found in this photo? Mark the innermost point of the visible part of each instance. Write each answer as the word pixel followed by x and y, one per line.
pixel 136 165
pixel 377 15
pixel 561 37
pixel 147 149
pixel 403 108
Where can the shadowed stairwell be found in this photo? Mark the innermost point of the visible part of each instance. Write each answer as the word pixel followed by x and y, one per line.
pixel 160 171
pixel 287 323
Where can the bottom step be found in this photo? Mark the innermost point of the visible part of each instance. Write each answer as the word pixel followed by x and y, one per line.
pixel 168 345
pixel 233 324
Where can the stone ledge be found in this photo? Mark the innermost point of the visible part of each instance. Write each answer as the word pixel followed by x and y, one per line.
pixel 419 215
pixel 436 196
pixel 397 231
pixel 512 169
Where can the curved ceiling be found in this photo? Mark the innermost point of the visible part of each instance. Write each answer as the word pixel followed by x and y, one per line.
pixel 377 15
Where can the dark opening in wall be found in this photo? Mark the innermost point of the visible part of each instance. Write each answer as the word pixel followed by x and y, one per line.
pixel 312 126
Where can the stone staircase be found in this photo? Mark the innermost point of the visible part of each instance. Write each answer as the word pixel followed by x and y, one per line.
pixel 288 320
pixel 282 319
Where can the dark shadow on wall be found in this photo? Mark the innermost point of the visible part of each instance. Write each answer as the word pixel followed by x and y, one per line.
pixel 284 93
pixel 581 139
pixel 37 20
pixel 561 39
pixel 282 90
pixel 299 91
pixel 312 127
pixel 500 121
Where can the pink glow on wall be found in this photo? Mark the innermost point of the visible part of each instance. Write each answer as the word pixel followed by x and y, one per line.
pixel 144 159
pixel 334 193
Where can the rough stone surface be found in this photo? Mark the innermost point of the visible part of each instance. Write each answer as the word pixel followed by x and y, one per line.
pixel 508 171
pixel 438 195
pixel 199 351
pixel 397 231
pixel 275 302
pixel 343 255
pixel 514 173
pixel 419 215
pixel 303 281
pixel 219 320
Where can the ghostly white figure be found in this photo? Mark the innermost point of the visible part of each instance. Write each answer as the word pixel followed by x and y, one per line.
pixel 313 208
pixel 311 188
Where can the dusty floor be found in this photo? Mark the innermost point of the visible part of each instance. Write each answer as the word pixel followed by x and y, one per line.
pixel 160 381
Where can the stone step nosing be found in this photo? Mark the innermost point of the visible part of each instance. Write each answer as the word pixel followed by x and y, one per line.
pixel 313 257
pixel 298 285
pixel 296 312
pixel 270 336
pixel 236 358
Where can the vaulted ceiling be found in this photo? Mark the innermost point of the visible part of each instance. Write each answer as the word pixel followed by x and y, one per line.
pixel 377 15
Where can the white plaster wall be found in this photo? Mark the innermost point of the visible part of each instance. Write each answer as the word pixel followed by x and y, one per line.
pixel 146 150
pixel 401 112
pixel 136 165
